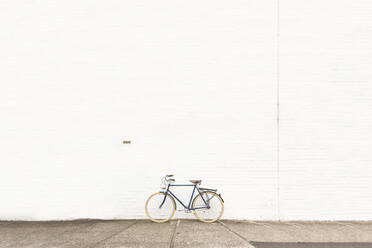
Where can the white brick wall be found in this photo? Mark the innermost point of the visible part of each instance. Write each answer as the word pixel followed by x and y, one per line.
pixel 193 85
pixel 326 107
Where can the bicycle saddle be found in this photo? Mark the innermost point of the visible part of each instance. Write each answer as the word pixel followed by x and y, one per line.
pixel 195 181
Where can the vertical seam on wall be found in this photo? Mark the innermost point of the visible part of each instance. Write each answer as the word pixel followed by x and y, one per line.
pixel 277 106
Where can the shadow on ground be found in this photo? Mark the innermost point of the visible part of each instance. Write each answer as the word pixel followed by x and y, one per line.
pixel 310 245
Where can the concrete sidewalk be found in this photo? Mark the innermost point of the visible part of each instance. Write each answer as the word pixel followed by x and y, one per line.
pixel 179 233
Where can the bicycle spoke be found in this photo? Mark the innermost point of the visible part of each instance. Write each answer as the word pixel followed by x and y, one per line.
pixel 212 211
pixel 159 209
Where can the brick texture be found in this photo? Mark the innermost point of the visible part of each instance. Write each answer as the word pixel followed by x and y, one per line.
pixel 193 85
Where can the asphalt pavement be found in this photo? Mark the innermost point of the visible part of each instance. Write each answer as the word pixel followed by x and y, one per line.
pixel 311 245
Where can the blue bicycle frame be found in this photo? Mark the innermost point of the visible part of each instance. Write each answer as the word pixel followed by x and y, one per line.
pixel 188 207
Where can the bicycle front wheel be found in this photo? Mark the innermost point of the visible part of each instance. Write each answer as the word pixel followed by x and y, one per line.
pixel 210 209
pixel 158 209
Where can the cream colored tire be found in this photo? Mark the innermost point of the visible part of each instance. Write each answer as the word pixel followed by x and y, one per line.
pixel 157 214
pixel 217 206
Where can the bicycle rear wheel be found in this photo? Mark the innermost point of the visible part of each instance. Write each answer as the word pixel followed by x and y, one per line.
pixel 210 212
pixel 158 212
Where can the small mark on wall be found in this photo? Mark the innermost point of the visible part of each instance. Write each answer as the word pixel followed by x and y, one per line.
pixel 127 142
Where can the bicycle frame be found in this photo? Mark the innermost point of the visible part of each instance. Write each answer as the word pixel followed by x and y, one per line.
pixel 188 207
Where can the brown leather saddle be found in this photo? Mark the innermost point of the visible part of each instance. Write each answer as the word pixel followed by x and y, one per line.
pixel 195 181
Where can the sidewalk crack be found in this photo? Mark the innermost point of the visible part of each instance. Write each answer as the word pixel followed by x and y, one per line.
pixel 173 237
pixel 237 234
pixel 112 235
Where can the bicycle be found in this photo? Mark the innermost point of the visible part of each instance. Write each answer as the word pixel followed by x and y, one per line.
pixel 207 205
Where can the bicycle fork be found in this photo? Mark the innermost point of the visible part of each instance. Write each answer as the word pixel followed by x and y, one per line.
pixel 165 196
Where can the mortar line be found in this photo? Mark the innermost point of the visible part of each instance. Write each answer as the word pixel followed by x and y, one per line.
pixel 113 235
pixel 173 237
pixel 277 106
pixel 237 234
